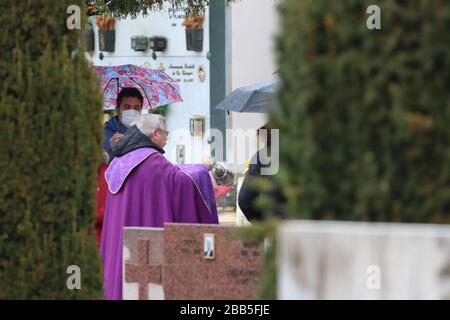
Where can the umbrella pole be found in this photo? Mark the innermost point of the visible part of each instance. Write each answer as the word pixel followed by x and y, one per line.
pixel 118 91
pixel 149 101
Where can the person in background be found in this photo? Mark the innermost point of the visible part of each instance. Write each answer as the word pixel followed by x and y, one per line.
pixel 129 107
pixel 248 194
pixel 102 188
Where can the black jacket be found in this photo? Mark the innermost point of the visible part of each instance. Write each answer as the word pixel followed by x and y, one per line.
pixel 248 194
pixel 133 139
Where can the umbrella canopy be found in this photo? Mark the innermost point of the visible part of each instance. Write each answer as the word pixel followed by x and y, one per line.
pixel 255 98
pixel 156 87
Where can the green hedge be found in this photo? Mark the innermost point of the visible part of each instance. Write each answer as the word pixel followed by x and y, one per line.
pixel 50 127
pixel 365 115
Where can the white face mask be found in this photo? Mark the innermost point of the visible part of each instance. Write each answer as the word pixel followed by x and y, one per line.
pixel 129 117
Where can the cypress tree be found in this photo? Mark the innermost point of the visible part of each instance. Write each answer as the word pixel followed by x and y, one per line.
pixel 50 125
pixel 364 114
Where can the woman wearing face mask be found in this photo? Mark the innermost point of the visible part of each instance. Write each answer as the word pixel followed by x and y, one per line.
pixel 129 106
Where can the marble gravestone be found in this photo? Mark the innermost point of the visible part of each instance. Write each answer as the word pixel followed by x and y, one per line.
pixel 232 273
pixel 191 262
pixel 345 260
pixel 143 254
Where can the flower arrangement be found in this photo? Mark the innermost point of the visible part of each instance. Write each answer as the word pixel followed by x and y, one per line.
pixel 105 22
pixel 106 32
pixel 194 21
pixel 194 31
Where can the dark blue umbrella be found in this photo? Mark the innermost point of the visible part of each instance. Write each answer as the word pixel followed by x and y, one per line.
pixel 254 98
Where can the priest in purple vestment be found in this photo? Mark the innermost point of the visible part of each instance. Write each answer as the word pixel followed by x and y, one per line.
pixel 146 190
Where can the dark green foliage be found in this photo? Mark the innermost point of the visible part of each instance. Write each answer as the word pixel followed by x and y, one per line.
pixel 123 8
pixel 163 110
pixel 364 115
pixel 50 125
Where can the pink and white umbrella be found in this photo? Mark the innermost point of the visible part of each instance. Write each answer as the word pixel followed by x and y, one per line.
pixel 157 88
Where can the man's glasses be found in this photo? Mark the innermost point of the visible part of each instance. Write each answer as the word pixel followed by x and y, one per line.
pixel 164 132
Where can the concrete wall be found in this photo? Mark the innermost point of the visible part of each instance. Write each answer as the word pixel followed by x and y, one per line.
pixel 195 93
pixel 254 24
pixel 349 260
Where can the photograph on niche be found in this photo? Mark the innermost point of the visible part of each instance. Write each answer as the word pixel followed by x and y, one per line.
pixel 208 246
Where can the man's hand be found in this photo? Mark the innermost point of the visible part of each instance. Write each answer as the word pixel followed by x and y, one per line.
pixel 115 138
pixel 208 161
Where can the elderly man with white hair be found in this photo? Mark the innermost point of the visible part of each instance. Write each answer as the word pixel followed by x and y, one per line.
pixel 146 190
